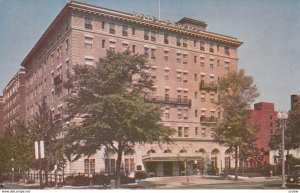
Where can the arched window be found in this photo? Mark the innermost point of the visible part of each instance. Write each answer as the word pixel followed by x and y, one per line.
pixel 151 151
pixel 167 151
pixel 183 151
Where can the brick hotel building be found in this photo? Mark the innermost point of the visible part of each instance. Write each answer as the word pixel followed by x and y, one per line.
pixel 14 94
pixel 185 59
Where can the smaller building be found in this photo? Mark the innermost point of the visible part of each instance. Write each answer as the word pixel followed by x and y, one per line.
pixel 295 101
pixel 264 116
pixel 14 95
pixel 1 116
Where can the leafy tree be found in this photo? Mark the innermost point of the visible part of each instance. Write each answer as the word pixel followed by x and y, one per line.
pixel 42 127
pixel 236 94
pixel 14 144
pixel 110 100
pixel 291 134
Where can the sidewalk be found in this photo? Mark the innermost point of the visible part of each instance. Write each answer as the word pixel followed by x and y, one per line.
pixel 177 181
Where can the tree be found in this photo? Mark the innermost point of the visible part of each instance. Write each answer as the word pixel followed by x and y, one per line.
pixel 110 100
pixel 236 94
pixel 15 144
pixel 42 127
pixel 291 133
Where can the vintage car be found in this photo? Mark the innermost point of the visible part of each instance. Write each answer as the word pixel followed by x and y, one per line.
pixel 294 178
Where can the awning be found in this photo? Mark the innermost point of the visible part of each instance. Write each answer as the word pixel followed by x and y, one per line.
pixel 171 157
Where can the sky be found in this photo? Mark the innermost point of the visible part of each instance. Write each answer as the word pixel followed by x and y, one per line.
pixel 270 30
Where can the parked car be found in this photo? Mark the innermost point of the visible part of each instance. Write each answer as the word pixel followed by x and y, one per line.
pixel 294 178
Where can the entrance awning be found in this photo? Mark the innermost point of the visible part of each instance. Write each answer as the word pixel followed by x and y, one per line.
pixel 171 157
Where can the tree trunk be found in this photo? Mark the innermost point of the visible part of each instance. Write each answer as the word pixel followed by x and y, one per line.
pixel 236 163
pixel 118 165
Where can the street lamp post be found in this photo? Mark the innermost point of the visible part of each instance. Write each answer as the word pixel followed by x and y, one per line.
pixel 12 171
pixel 282 117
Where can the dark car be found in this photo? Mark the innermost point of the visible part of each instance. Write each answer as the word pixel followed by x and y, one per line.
pixel 294 179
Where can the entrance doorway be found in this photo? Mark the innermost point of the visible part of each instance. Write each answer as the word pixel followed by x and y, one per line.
pixel 168 168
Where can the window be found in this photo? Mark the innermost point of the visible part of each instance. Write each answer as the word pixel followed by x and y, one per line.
pixel 103 43
pixel 178 77
pixel 196 95
pixel 211 65
pixel 112 29
pixel 133 31
pixel 146 35
pixel 166 56
pixel 146 52
pixel 88 23
pixel 166 38
pixel 185 77
pixel 218 63
pixel 178 41
pixel 88 61
pixel 196 113
pixel 153 54
pixel 179 112
pixel 186 132
pixel 103 25
pixel 179 131
pixel 226 50
pixel 184 42
pixel 202 46
pixel 195 43
pixel 202 97
pixel 125 47
pixel 196 130
pixel 211 48
pixel 195 59
pixel 227 64
pixel 184 56
pixel 110 165
pixel 124 30
pixel 88 46
pixel 153 36
pixel 195 77
pixel 129 164
pixel 89 166
pixel 133 48
pixel 178 58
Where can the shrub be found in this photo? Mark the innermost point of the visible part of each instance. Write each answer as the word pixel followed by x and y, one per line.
pixel 141 175
pixel 77 181
pixel 101 179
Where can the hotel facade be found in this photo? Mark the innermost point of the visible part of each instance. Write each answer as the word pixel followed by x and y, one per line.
pixel 186 62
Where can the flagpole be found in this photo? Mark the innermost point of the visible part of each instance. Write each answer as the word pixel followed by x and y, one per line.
pixel 159 9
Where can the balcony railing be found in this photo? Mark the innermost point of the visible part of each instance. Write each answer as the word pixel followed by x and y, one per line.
pixel 208 120
pixel 207 86
pixel 168 100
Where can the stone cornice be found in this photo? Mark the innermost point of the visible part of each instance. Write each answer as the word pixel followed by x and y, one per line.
pixel 126 17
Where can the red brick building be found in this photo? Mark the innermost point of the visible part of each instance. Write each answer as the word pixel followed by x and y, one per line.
pixel 265 116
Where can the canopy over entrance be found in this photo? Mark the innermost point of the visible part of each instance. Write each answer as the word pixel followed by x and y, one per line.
pixel 171 157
